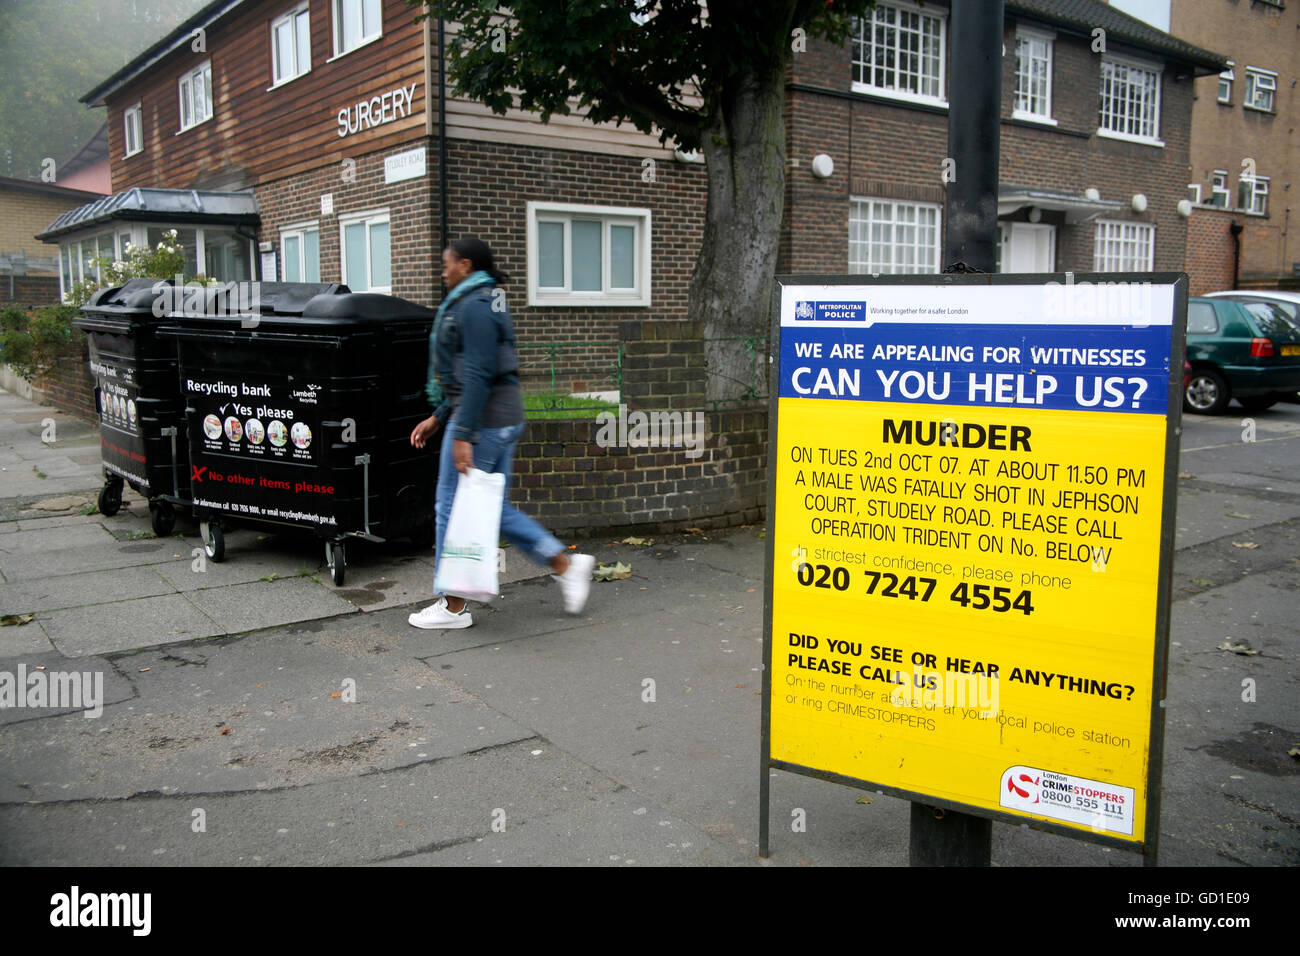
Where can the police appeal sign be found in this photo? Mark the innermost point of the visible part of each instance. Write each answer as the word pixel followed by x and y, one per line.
pixel 967 554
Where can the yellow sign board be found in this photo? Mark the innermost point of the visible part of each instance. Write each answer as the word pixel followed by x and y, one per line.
pixel 968 545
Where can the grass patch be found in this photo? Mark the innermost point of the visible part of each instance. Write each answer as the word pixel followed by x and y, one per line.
pixel 562 405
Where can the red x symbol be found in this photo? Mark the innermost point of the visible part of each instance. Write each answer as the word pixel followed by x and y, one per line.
pixel 197 475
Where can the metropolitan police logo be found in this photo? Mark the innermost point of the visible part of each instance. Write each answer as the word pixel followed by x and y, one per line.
pixel 804 310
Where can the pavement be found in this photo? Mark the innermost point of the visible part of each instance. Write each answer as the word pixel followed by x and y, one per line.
pixel 255 714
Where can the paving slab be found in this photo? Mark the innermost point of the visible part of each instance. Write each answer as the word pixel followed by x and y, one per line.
pixel 247 607
pixel 80 590
pixel 142 622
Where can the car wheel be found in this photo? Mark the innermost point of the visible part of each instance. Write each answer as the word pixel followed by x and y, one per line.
pixel 1257 403
pixel 1207 393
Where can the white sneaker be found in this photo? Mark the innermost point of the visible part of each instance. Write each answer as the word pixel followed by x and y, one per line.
pixel 575 583
pixel 436 615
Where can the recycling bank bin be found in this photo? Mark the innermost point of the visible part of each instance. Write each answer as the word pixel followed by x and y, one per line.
pixel 138 398
pixel 301 417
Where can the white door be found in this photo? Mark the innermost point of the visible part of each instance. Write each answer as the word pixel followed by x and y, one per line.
pixel 1028 247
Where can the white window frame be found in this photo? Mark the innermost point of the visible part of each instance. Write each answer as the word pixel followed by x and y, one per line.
pixel 864 266
pixel 132 131
pixel 892 91
pixel 1254 76
pixel 1115 258
pixel 1219 187
pixel 370 217
pixel 1258 196
pixel 292 17
pixel 1049 39
pixel 1195 190
pixel 338 12
pixel 299 230
pixel 1227 76
pixel 1126 63
pixel 185 90
pixel 638 218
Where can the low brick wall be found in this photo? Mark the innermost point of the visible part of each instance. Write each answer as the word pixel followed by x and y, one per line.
pixel 576 487
pixel 69 387
pixel 29 291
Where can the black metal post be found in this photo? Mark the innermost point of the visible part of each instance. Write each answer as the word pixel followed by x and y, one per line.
pixel 974 113
pixel 944 837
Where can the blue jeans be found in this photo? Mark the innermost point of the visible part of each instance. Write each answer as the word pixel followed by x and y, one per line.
pixel 494 453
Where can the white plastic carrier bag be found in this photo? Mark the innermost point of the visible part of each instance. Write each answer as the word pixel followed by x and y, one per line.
pixel 468 566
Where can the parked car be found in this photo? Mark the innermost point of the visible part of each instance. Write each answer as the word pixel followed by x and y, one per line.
pixel 1249 351
pixel 1289 302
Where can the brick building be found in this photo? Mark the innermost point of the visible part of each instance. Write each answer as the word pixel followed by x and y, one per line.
pixel 1245 155
pixel 1089 181
pixel 29 268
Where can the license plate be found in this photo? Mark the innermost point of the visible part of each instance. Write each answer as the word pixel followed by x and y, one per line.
pixel 1291 350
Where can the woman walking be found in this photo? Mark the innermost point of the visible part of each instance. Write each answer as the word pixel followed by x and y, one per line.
pixel 474 385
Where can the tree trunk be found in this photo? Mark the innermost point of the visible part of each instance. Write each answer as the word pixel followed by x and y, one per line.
pixel 731 287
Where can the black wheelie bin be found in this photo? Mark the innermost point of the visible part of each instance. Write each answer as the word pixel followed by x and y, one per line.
pixel 302 418
pixel 138 398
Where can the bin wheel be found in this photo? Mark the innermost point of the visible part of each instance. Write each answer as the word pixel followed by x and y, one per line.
pixel 163 518
pixel 214 542
pixel 336 557
pixel 110 498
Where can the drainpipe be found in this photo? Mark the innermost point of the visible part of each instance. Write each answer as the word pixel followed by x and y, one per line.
pixel 1235 228
pixel 443 238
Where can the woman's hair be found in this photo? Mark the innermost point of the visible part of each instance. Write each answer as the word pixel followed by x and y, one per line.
pixel 477 251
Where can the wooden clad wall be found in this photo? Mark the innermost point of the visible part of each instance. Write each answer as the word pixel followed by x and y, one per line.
pixel 257 134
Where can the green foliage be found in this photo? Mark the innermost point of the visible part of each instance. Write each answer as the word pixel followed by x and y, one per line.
pixel 645 71
pixel 33 342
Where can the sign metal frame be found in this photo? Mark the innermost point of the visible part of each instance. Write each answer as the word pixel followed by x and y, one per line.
pixel 1148 847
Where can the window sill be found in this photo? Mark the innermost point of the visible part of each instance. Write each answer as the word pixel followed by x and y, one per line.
pixel 594 300
pixel 186 129
pixel 364 43
pixel 901 97
pixel 1258 109
pixel 286 82
pixel 1033 118
pixel 1127 138
pixel 134 153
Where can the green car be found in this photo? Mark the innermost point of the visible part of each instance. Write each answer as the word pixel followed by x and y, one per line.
pixel 1249 351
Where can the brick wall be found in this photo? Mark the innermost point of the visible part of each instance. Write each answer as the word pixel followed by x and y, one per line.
pixel 491 184
pixel 29 291
pixel 571 480
pixel 1209 251
pixel 360 188
pixel 68 386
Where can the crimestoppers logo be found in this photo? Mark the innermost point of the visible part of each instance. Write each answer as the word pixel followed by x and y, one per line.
pixel 54 689
pixel 1020 786
pixel 75 909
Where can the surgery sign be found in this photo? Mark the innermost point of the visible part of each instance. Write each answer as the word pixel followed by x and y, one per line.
pixel 971 539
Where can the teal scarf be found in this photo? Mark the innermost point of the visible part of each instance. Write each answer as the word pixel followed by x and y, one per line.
pixel 466 285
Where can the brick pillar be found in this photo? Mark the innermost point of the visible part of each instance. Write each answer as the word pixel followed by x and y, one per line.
pixel 663 365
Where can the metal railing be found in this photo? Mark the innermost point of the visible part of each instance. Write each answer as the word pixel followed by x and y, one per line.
pixel 570 379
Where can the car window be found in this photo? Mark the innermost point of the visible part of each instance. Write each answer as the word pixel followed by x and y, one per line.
pixel 1201 319
pixel 1272 321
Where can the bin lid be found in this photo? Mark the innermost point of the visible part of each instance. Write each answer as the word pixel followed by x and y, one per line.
pixel 115 308
pixel 303 307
